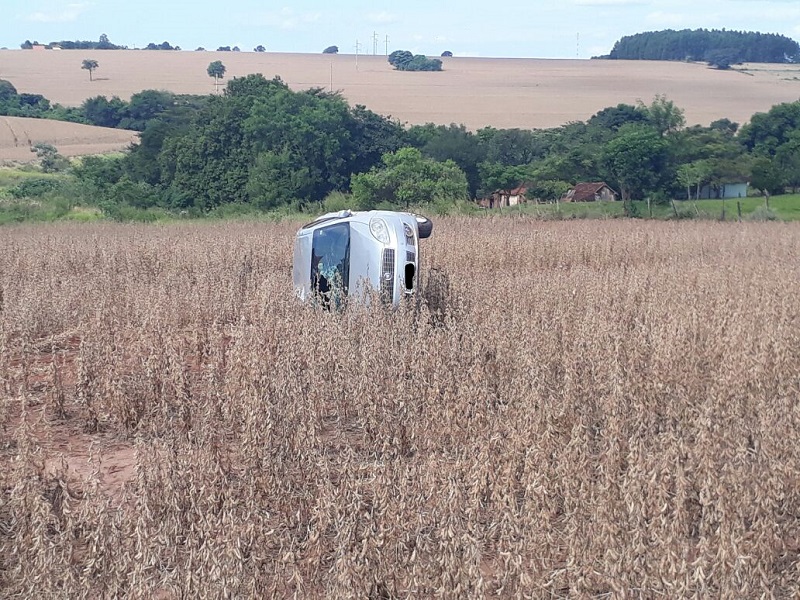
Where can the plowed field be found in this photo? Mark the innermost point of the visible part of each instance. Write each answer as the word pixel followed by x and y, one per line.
pixel 474 91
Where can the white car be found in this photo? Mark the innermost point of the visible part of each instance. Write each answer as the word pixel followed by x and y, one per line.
pixel 342 255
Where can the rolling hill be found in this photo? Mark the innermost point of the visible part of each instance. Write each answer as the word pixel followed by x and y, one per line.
pixel 17 135
pixel 476 92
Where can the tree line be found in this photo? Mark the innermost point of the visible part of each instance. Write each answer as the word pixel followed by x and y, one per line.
pixel 102 44
pixel 404 60
pixel 262 145
pixel 719 47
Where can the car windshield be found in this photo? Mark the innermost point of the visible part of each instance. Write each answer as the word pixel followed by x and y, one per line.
pixel 330 263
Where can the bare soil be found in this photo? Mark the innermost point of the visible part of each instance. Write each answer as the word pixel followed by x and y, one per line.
pixel 476 92
pixel 18 135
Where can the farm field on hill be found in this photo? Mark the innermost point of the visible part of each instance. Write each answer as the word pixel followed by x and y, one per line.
pixel 18 134
pixel 478 92
pixel 607 408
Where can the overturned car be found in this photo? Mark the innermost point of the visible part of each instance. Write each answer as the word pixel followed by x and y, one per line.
pixel 345 255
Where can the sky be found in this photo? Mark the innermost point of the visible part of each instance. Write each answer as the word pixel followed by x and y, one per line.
pixel 493 28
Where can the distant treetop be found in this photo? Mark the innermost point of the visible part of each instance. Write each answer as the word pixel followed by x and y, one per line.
pixel 403 60
pixel 720 48
pixel 161 46
pixel 102 44
pixel 447 54
pixel 331 50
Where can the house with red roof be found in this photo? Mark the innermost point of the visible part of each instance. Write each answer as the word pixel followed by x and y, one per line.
pixel 590 192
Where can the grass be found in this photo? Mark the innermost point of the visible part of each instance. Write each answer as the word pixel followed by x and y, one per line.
pixel 65 204
pixel 785 208
pixel 11 176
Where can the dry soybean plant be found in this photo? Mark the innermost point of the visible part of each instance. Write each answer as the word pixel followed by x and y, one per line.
pixel 596 409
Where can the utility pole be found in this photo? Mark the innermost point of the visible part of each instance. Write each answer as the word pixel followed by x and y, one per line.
pixel 374 43
pixel 387 45
pixel 358 46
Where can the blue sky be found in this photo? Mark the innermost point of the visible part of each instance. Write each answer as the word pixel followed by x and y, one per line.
pixel 499 28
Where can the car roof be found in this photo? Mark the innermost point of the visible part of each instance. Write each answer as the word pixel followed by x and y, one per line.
pixel 354 215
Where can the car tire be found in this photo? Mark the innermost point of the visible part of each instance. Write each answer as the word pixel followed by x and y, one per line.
pixel 424 227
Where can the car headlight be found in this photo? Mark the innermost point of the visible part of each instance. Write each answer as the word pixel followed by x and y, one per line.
pixel 379 230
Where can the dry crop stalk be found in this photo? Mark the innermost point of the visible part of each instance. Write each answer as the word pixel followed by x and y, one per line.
pixel 597 419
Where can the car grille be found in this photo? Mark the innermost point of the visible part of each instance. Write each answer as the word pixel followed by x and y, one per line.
pixel 387 275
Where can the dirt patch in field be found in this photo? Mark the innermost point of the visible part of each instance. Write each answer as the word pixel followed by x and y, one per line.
pixel 18 135
pixel 478 92
pixel 66 443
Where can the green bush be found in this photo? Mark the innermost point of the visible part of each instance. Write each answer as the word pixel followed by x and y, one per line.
pixel 763 213
pixel 336 201
pixel 34 188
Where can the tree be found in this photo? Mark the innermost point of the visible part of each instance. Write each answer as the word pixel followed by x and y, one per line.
pixel 331 50
pixel 723 58
pixel 787 158
pixel 104 43
pixel 695 175
pixel 423 63
pixel 277 179
pixel 717 46
pixel 161 46
pixel 259 48
pixel 494 176
pixel 725 125
pixel 51 160
pixel 635 159
pixel 145 106
pixel 216 70
pixel 767 131
pixel 663 114
pixel 461 146
pixel 7 91
pixel 399 59
pixel 766 177
pixel 447 54
pixel 614 117
pixel 90 65
pixel 103 112
pixel 407 178
pixel 548 190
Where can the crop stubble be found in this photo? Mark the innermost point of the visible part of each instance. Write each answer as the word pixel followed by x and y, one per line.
pixel 478 92
pixel 526 93
pixel 609 409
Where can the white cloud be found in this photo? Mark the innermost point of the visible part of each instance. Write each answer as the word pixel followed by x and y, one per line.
pixel 382 18
pixel 59 14
pixel 596 50
pixel 666 19
pixel 286 18
pixel 610 2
